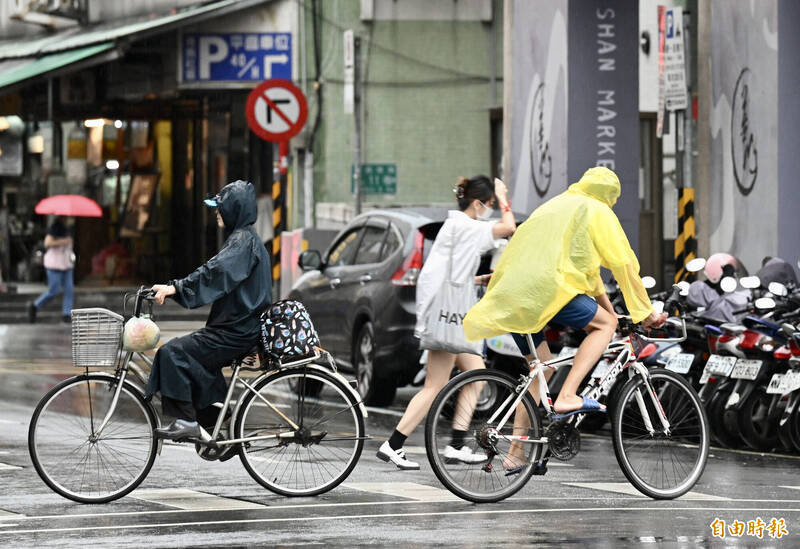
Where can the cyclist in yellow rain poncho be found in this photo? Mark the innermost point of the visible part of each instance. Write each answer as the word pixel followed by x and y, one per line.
pixel 549 270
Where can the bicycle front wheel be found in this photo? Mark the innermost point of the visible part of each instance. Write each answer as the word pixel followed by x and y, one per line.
pixel 491 465
pixel 300 444
pixel 76 460
pixel 661 463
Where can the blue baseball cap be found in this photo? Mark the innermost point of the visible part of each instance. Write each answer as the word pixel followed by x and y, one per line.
pixel 212 201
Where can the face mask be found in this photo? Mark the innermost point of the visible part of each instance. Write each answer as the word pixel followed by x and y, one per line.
pixel 487 212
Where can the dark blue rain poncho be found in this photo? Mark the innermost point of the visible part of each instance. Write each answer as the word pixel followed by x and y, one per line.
pixel 238 281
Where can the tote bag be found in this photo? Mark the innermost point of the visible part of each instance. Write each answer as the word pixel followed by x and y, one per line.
pixel 444 330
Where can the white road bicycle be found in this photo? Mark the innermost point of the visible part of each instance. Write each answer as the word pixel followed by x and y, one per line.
pixel 298 429
pixel 659 427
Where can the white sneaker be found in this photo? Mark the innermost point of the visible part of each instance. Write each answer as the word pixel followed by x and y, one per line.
pixel 398 457
pixel 464 455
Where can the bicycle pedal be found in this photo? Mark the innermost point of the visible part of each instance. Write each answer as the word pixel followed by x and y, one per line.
pixel 540 468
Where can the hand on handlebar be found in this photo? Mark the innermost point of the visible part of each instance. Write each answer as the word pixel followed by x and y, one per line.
pixel 655 320
pixel 162 291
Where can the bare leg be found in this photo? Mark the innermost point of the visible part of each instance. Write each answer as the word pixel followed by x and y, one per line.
pixel 516 452
pixel 440 364
pixel 600 332
pixel 467 400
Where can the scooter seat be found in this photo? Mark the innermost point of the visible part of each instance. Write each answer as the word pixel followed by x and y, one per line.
pixel 732 329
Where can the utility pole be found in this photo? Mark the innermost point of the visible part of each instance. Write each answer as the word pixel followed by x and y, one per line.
pixel 357 120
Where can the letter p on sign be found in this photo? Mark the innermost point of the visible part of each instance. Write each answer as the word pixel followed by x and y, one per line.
pixel 206 56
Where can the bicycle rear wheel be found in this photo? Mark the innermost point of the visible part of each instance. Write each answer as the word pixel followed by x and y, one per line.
pixel 310 443
pixel 484 480
pixel 76 462
pixel 660 464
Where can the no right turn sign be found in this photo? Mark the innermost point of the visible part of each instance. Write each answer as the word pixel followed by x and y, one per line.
pixel 276 110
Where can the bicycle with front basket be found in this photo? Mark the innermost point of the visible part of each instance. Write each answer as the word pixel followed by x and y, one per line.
pixel 659 427
pixel 91 436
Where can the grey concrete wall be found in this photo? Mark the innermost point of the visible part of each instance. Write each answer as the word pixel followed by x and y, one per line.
pixel 744 129
pixel 536 109
pixel 788 135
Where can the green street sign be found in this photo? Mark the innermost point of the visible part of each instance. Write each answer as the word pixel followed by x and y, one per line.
pixel 376 179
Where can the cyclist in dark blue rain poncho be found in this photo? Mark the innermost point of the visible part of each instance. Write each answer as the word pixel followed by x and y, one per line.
pixel 238 282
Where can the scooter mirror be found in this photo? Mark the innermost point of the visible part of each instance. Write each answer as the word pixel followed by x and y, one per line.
pixel 684 286
pixel 788 329
pixel 658 306
pixel 776 288
pixel 697 264
pixel 750 282
pixel 649 282
pixel 728 284
pixel 765 303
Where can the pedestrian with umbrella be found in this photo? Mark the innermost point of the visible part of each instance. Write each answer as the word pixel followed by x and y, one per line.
pixel 59 257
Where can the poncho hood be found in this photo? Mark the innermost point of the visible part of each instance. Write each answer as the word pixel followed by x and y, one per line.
pixel 236 203
pixel 600 183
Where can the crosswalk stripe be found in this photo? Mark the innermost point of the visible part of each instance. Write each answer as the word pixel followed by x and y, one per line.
pixel 627 489
pixel 192 500
pixel 7 467
pixel 410 490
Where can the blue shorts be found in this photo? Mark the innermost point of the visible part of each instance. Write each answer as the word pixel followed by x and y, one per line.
pixel 578 313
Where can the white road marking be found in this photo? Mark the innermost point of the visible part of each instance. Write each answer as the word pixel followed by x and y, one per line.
pixel 413 490
pixel 791 487
pixel 384 411
pixel 482 511
pixel 7 467
pixel 9 514
pixel 191 500
pixel 7 421
pixel 627 489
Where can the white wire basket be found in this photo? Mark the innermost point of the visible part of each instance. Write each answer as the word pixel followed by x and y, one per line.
pixel 96 337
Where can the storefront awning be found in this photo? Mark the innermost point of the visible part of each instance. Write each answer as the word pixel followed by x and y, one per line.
pixel 74 48
pixel 13 71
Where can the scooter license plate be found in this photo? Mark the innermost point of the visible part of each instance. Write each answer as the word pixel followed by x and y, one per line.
pixel 774 387
pixel 746 369
pixel 680 363
pixel 718 366
pixel 790 382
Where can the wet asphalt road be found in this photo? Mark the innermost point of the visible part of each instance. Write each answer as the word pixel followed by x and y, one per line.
pixel 189 502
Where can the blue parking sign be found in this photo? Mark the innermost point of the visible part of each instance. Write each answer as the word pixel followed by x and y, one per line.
pixel 236 57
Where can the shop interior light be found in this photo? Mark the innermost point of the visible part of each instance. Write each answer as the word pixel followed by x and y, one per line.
pixel 4 123
pixel 118 124
pixel 94 122
pixel 36 144
pixel 112 165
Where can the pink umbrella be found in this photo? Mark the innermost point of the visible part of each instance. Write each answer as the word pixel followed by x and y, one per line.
pixel 72 205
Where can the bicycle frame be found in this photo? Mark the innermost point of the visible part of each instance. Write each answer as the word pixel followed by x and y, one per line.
pixel 625 357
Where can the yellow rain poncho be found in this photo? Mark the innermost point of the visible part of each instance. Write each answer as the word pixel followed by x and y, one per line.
pixel 557 254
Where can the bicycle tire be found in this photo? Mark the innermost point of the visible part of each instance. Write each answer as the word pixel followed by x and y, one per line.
pixel 480 482
pixel 296 463
pixel 98 478
pixel 688 435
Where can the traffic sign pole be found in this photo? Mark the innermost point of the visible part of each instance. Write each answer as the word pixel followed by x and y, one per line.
pixel 276 111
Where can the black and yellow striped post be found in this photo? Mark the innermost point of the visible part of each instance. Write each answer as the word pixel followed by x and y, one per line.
pixel 277 226
pixel 686 243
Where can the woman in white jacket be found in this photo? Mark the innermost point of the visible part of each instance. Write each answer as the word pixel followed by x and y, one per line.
pixel 467 234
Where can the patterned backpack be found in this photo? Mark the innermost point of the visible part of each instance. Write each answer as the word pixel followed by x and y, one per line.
pixel 287 332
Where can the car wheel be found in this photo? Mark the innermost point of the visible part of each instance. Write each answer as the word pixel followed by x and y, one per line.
pixel 373 385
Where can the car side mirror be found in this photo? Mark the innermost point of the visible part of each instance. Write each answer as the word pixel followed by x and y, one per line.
pixel 310 260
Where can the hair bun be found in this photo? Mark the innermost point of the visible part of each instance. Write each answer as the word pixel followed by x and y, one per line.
pixel 461 187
